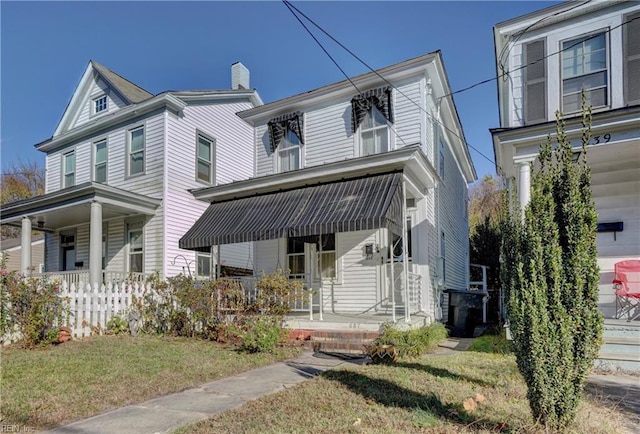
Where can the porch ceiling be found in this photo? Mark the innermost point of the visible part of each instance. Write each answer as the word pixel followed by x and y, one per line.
pixel 72 206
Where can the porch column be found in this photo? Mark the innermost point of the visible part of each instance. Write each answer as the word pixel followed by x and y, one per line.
pixel 26 246
pixel 405 254
pixel 524 185
pixel 95 244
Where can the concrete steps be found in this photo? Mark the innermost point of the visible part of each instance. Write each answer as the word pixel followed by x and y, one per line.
pixel 335 341
pixel 620 351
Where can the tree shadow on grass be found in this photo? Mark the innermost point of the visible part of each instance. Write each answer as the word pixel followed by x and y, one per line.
pixel 444 373
pixel 390 394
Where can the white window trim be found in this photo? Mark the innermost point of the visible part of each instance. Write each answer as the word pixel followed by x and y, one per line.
pixel 357 147
pixel 128 151
pixel 94 101
pixel 276 156
pixel 284 258
pixel 606 32
pixel 106 161
pixel 64 168
pixel 212 163
pixel 197 270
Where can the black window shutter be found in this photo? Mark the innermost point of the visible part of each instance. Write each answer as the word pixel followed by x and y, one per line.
pixel 535 80
pixel 631 47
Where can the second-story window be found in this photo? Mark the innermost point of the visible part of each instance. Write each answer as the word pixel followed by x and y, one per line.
pixel 286 137
pixel 374 133
pixel 100 104
pixel 136 151
pixel 289 152
pixel 100 161
pixel 204 159
pixel 69 160
pixel 371 114
pixel 584 66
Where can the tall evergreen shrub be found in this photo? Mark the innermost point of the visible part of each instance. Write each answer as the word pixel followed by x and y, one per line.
pixel 551 276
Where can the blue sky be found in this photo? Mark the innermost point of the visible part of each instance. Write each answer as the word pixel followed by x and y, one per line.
pixel 45 48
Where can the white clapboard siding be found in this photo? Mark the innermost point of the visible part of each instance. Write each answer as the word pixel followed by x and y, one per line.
pixel 51 251
pixel 233 161
pixel 360 285
pixel 408 115
pixel 452 192
pixel 83 162
pixel 53 179
pixel 269 256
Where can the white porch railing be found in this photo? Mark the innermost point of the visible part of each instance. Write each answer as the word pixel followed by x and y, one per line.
pixel 302 298
pixel 76 277
pixel 415 292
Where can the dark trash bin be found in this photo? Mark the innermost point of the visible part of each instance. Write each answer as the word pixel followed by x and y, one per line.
pixel 465 311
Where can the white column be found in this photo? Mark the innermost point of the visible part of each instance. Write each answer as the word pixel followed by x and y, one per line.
pixel 524 184
pixel 95 244
pixel 26 246
pixel 405 255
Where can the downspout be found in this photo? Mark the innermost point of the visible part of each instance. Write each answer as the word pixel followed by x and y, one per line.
pixel 436 147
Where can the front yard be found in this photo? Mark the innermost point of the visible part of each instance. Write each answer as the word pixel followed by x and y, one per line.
pixel 463 393
pixel 41 389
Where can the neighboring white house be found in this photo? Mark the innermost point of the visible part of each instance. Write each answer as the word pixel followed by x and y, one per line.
pixel 12 249
pixel 345 171
pixel 548 57
pixel 118 169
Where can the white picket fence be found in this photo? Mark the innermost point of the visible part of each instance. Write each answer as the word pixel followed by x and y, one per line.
pixel 89 309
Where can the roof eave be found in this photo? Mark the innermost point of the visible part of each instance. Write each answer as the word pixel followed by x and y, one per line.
pixel 164 100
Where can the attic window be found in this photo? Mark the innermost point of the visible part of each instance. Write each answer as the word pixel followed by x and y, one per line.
pixel 100 104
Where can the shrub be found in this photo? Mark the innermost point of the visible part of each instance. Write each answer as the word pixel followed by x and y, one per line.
pixel 219 309
pixel 263 334
pixel 117 325
pixel 491 344
pixel 413 342
pixel 551 277
pixel 30 307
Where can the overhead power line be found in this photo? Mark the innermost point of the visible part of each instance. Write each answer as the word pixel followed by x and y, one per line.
pixel 292 8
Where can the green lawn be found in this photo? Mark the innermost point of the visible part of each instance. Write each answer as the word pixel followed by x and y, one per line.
pixel 464 393
pixel 45 388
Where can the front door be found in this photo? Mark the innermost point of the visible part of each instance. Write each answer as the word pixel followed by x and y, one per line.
pixel 68 251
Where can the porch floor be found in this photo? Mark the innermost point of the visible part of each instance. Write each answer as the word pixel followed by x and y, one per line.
pixel 350 321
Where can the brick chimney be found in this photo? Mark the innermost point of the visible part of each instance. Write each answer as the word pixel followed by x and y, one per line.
pixel 239 76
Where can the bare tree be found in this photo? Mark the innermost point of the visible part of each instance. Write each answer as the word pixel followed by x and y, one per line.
pixel 19 181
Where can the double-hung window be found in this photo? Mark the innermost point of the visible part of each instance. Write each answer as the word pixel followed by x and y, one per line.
pixel 295 256
pixel 289 152
pixel 135 243
pixel 374 133
pixel 327 250
pixel 584 66
pixel 203 265
pixel 69 163
pixel 136 151
pixel 100 104
pixel 100 161
pixel 205 164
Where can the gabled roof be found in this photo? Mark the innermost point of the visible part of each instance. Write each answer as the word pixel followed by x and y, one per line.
pixel 130 91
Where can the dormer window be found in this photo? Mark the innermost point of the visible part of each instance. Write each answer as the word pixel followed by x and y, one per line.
pixel 286 137
pixel 371 114
pixel 100 104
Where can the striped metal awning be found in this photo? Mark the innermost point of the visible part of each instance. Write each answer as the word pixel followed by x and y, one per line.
pixel 357 204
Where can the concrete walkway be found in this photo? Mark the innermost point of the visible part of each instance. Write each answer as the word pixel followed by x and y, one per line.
pixel 169 412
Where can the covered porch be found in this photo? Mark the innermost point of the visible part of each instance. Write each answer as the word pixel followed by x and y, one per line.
pixel 346 234
pixel 79 223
